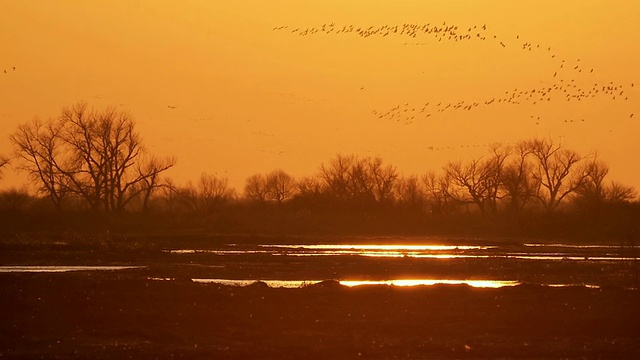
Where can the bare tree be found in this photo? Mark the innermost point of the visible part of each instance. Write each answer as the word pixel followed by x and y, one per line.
pixel 410 192
pixel 309 186
pixel 441 195
pixel 280 186
pixel 170 193
pixel 359 180
pixel 149 172
pixel 617 193
pixel 517 182
pixel 591 192
pixel 336 176
pixel 14 199
pixel 210 193
pixel 4 161
pixel 97 156
pixel 480 178
pixel 555 171
pixel 104 147
pixel 255 188
pixel 384 179
pixel 41 151
pixel 494 170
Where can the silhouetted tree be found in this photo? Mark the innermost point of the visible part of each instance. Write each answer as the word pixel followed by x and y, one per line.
pixel 410 193
pixel 384 179
pixel 309 187
pixel 555 171
pixel 42 154
pixel 617 193
pixel 591 193
pixel 255 188
pixel 280 186
pixel 441 195
pixel 14 199
pixel 361 181
pixel 213 191
pixel 149 171
pixel 96 155
pixel 4 161
pixel 310 194
pixel 480 179
pixel 337 177
pixel 168 195
pixel 210 193
pixel 517 181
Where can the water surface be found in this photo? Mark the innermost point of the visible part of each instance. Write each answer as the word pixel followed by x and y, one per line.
pixel 294 284
pixel 352 283
pixel 530 251
pixel 57 268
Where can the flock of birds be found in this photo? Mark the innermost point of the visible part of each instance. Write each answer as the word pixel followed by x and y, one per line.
pixel 568 91
pixel 444 31
pixel 563 85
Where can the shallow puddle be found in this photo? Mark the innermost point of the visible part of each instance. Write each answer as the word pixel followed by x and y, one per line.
pixel 49 269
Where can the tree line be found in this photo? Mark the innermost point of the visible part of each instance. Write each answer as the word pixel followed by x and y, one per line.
pixel 96 160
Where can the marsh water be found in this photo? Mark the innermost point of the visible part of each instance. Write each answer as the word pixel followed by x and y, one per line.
pixel 60 268
pixel 394 263
pixel 529 251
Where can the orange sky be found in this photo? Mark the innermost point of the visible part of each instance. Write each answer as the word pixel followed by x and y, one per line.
pixel 250 99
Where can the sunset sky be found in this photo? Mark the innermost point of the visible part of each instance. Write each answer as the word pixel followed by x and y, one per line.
pixel 226 90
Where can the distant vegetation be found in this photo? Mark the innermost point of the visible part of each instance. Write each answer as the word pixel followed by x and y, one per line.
pixel 91 173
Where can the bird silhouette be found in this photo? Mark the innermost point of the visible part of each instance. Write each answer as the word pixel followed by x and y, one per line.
pixel 566 82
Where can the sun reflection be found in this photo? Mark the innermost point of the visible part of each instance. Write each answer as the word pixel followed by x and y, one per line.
pixel 574 246
pixel 290 284
pixel 588 286
pixel 353 283
pixel 383 247
pixel 435 252
pixel 430 282
pixel 409 254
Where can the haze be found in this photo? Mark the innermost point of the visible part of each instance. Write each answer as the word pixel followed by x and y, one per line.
pixel 215 85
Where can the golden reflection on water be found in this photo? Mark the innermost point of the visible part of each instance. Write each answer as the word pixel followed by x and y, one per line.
pixel 352 283
pixel 410 254
pixel 588 286
pixel 383 247
pixel 430 282
pixel 574 246
pixel 271 283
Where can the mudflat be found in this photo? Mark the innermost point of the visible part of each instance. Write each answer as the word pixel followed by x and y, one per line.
pixel 130 313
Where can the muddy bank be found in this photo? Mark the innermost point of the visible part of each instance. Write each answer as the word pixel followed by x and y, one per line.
pixel 122 315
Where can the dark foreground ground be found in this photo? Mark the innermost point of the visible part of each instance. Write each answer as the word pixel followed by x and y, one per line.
pixel 123 314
